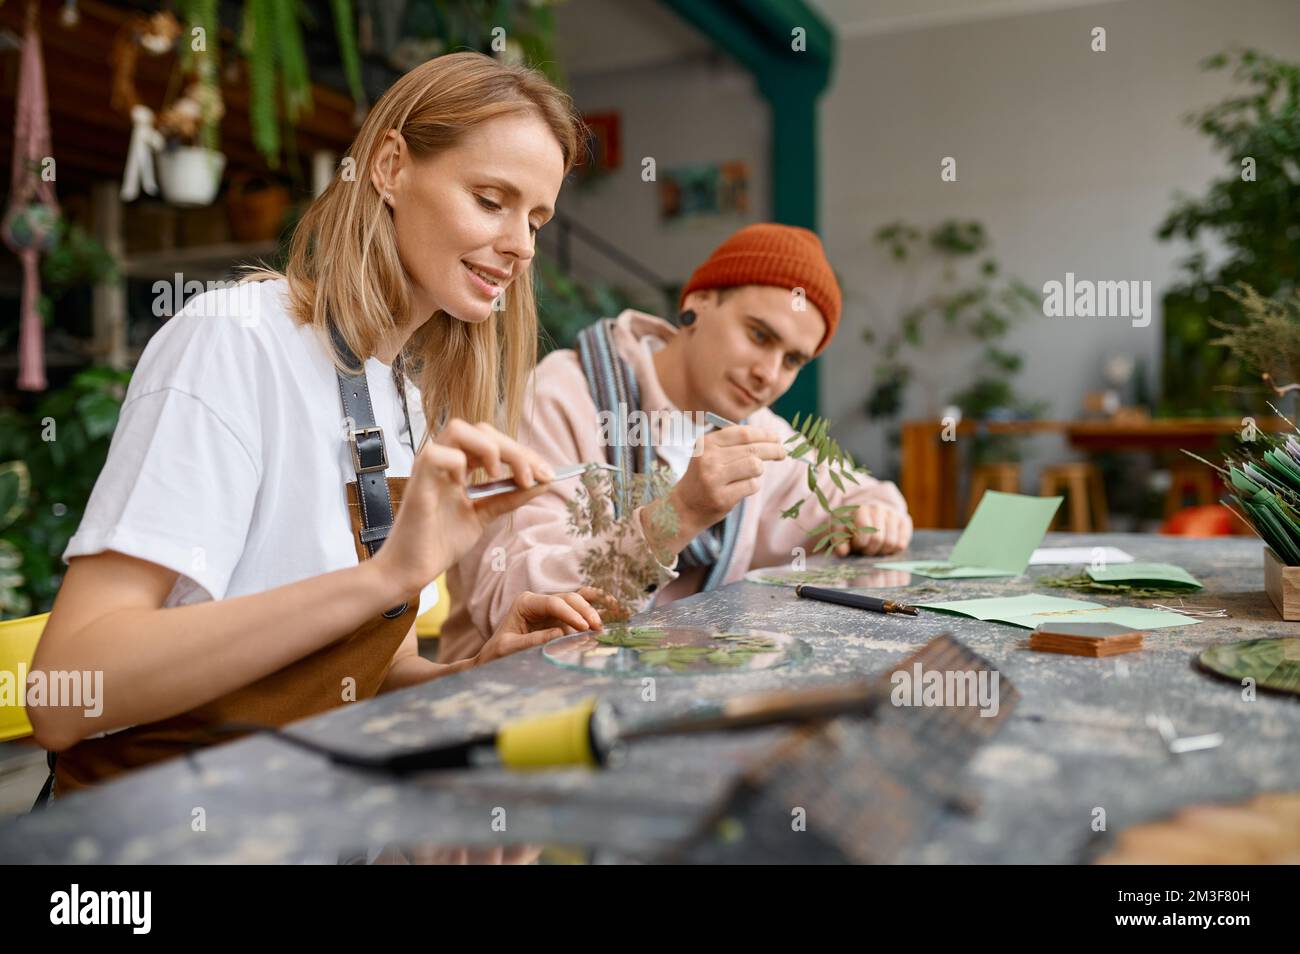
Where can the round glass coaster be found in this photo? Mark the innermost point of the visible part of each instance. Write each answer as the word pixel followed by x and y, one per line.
pixel 674 650
pixel 837 576
pixel 1272 663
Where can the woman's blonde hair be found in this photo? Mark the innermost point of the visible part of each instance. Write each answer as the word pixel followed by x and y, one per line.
pixel 343 263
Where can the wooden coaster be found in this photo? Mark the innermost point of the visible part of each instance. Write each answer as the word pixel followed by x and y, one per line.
pixel 1085 639
pixel 1086 646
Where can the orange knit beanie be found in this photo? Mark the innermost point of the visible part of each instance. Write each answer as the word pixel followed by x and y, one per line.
pixel 769 254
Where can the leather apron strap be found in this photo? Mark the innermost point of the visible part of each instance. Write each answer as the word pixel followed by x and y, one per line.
pixel 351 668
pixel 369 458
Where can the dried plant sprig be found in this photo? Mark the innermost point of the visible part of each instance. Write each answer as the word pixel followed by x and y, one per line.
pixel 622 563
pixel 729 649
pixel 1086 584
pixel 1268 340
pixel 815 446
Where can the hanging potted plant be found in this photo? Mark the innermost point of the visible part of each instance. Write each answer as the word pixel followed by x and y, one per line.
pixel 184 135
pixel 190 164
pixel 189 172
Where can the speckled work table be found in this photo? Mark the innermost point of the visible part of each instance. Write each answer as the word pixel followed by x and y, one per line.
pixel 1036 784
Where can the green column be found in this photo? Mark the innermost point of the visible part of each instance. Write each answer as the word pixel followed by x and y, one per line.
pixel 760 35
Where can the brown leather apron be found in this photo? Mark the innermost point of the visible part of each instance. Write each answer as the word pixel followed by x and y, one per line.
pixel 313 684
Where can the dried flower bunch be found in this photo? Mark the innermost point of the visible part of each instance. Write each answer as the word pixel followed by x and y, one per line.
pixel 620 563
pixel 194 116
pixel 1268 340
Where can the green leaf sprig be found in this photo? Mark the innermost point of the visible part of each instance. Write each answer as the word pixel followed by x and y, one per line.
pixel 815 446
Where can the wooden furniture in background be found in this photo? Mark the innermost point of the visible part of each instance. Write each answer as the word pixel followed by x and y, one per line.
pixel 1085 494
pixel 929 478
pixel 1003 477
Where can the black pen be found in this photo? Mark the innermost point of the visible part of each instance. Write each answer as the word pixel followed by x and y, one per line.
pixel 856 600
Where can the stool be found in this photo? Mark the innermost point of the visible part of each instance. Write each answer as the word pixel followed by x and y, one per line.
pixel 1189 474
pixel 1003 477
pixel 1084 491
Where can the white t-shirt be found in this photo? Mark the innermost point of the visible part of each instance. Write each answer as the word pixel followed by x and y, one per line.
pixel 229 460
pixel 678 446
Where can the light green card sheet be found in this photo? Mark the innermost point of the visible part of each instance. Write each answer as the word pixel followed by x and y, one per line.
pixel 1034 608
pixel 1167 574
pixel 1004 530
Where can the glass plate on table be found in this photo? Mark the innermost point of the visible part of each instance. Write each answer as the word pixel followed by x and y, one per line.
pixel 836 576
pixel 1273 663
pixel 674 650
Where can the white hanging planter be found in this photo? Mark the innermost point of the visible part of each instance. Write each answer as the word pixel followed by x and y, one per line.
pixel 190 175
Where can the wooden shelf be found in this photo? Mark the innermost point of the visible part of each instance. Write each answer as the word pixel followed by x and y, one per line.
pixel 198 262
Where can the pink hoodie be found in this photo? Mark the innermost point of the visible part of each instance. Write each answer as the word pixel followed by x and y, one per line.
pixel 539 554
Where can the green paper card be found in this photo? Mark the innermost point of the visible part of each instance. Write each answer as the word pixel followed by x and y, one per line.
pixel 1168 574
pixel 1001 607
pixel 1004 530
pixel 1033 608
pixel 944 571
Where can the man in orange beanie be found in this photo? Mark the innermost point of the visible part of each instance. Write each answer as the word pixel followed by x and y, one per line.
pixel 756 311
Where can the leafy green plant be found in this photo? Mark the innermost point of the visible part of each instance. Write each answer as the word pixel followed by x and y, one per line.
pixel 76 259
pixel 15 491
pixel 271 40
pixel 1249 216
pixel 345 29
pixel 815 446
pixel 968 297
pixel 621 563
pixel 205 64
pixel 566 305
pixel 1266 341
pixel 63 442
pixel 529 27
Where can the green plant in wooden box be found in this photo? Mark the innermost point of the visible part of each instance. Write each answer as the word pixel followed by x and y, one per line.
pixel 1263 478
pixel 1262 473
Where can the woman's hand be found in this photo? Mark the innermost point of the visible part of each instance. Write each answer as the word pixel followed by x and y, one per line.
pixel 437 524
pixel 537 618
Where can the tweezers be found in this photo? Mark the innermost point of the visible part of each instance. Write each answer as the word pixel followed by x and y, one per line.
pixel 493 487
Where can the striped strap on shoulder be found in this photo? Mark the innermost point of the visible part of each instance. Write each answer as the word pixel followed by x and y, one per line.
pixel 615 392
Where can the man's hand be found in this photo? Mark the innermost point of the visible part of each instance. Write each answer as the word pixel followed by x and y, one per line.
pixel 727 467
pixel 893 531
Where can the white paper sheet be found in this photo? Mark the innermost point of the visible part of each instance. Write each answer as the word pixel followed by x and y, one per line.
pixel 1077 556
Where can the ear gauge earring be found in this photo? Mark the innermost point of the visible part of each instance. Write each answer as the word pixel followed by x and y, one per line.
pixel 686 318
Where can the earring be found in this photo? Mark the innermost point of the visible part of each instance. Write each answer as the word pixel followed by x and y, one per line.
pixel 388 197
pixel 686 318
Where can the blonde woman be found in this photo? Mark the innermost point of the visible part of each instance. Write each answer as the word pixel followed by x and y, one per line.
pixel 238 560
